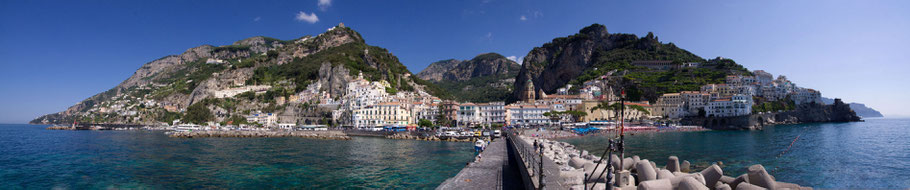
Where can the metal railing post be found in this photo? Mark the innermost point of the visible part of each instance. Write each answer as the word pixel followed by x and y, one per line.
pixel 540 169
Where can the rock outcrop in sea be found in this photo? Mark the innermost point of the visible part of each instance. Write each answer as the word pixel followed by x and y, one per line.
pixel 804 113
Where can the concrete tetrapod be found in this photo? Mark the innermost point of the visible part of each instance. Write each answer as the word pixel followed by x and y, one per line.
pixel 665 174
pixel 589 169
pixel 785 185
pixel 660 184
pixel 680 176
pixel 645 170
pixel 722 186
pixel 748 186
pixel 741 179
pixel 673 164
pixel 684 167
pixel 690 183
pixel 727 179
pixel 627 163
pixel 615 161
pixel 577 163
pixel 758 176
pixel 712 174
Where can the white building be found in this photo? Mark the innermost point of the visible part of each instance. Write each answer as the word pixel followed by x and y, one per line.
pixel 527 115
pixel 424 111
pixel 670 105
pixel 492 113
pixel 735 105
pixel 383 114
pixel 695 101
pixel 806 95
pixel 469 115
pixel 266 119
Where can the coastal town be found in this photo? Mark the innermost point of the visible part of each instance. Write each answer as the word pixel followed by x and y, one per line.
pixel 374 106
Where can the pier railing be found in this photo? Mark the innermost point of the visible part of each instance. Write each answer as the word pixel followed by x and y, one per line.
pixel 537 171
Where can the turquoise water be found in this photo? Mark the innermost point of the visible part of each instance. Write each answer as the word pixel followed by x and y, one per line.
pixel 871 154
pixel 34 158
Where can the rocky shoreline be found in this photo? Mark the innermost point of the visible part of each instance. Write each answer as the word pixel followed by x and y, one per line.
pixel 645 174
pixel 805 113
pixel 330 135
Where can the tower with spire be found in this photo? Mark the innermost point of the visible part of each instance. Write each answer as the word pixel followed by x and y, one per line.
pixel 528 94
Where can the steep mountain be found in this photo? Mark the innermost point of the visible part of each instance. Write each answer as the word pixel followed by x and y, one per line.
pixel 210 77
pixel 485 78
pixel 482 65
pixel 593 52
pixel 861 109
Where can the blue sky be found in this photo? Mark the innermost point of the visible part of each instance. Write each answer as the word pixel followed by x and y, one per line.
pixel 56 53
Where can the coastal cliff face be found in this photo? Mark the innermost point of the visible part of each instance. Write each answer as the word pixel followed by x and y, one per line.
pixel 489 73
pixel 593 52
pixel 805 113
pixel 811 113
pixel 861 109
pixel 554 64
pixel 488 64
pixel 163 89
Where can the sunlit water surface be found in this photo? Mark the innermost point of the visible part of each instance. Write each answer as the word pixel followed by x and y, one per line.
pixel 34 158
pixel 871 154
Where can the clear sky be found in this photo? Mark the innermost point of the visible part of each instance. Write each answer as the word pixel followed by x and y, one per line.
pixel 56 53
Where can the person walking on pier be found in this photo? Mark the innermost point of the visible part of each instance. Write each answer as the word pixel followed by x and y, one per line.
pixel 478 145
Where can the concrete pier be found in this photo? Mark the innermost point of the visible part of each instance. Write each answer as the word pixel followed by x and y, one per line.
pixel 510 162
pixel 494 170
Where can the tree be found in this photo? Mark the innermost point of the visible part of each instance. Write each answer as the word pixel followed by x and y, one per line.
pixel 496 126
pixel 425 123
pixel 616 107
pixel 573 115
pixel 198 114
pixel 441 118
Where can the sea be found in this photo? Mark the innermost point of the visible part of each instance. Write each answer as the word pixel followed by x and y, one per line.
pixel 870 154
pixel 858 155
pixel 34 158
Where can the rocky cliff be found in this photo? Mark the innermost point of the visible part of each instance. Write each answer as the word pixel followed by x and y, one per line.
pixel 593 52
pixel 838 111
pixel 861 109
pixel 487 77
pixel 487 64
pixel 163 90
pixel 810 113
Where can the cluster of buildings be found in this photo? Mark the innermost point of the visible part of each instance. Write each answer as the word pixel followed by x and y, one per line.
pixel 734 98
pixel 368 104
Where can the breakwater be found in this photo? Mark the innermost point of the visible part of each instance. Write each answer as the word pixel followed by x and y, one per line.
pixel 89 126
pixel 576 166
pixel 332 135
pixel 409 135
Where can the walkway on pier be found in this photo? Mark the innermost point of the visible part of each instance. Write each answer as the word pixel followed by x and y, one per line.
pixel 495 170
